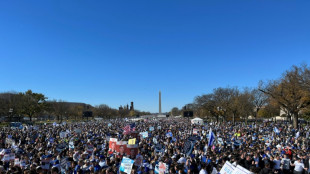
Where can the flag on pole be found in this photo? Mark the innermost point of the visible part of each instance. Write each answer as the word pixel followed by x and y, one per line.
pixel 129 128
pixel 211 138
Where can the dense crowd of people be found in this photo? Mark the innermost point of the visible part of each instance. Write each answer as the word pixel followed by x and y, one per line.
pixel 183 147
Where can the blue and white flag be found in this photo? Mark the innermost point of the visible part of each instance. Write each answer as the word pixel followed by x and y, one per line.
pixel 276 130
pixel 211 138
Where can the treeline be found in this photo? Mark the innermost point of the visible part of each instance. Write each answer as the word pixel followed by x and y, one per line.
pixel 30 104
pixel 290 94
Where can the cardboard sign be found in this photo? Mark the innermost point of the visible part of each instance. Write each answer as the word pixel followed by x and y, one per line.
pixel 121 147
pixel 228 168
pixel 126 165
pixel 112 144
pixel 132 141
pixel 132 150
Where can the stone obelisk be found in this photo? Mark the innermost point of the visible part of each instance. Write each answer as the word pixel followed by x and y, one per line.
pixel 159 103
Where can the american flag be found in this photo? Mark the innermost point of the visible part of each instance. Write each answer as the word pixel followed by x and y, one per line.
pixel 128 129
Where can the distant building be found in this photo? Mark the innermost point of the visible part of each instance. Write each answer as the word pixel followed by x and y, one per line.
pixel 120 108
pixel 131 106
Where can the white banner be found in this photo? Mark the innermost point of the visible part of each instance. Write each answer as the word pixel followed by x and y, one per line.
pixel 228 168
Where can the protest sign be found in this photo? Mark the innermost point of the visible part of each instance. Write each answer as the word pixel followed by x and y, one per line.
pixel 132 150
pixel 112 144
pixel 188 147
pixel 144 134
pixel 151 128
pixel 16 162
pixel 195 131
pixel 109 125
pixel 71 145
pixel 126 165
pixel 132 141
pixel 121 147
pixel 161 168
pixel 228 168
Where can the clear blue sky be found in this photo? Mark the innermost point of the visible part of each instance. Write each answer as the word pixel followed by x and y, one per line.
pixel 115 52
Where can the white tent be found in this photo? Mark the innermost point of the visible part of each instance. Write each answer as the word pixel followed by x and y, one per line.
pixel 197 120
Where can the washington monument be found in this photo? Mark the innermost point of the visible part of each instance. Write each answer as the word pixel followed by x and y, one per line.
pixel 159 103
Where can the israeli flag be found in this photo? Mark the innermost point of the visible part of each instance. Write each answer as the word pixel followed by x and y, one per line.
pixel 276 130
pixel 211 138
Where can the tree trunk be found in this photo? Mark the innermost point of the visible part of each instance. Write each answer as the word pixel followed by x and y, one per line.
pixel 233 118
pixel 295 120
pixel 30 116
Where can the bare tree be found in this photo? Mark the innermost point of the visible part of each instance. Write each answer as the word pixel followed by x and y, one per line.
pixel 290 92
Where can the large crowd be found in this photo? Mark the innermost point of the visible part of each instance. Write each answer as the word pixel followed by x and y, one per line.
pixel 174 144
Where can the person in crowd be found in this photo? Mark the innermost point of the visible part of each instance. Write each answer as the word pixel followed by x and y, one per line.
pixel 74 148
